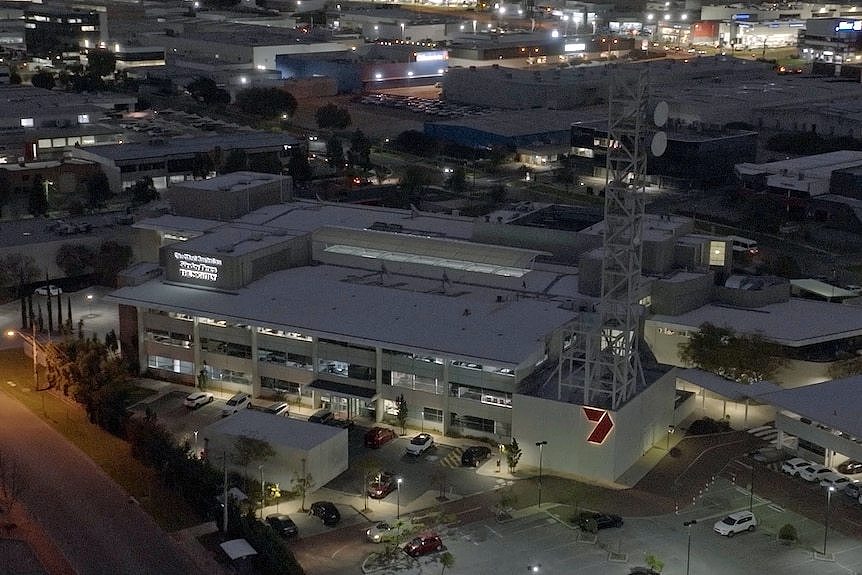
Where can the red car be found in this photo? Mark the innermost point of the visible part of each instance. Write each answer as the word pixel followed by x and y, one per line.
pixel 423 545
pixel 385 484
pixel 378 436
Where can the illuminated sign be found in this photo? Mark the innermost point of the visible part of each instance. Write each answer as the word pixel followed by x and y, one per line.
pixel 741 17
pixel 603 422
pixel 432 56
pixel 198 267
pixel 848 26
pixel 575 47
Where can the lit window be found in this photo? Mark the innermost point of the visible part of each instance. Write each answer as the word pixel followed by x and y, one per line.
pixel 26 122
pixel 83 118
pixel 88 28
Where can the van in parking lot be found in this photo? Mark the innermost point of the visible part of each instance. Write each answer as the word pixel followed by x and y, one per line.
pixel 735 523
pixel 743 246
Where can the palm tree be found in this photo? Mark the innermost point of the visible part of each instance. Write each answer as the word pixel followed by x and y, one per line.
pixel 446 560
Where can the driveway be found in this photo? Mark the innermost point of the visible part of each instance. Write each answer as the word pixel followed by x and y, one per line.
pixel 93 522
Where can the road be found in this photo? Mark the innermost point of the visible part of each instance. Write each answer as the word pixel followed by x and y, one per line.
pixel 92 521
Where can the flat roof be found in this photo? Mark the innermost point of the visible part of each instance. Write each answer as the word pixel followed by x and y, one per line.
pixel 814 165
pixel 276 430
pixel 232 240
pixel 822 288
pixel 794 323
pixel 466 321
pixel 232 181
pixel 523 122
pixel 188 145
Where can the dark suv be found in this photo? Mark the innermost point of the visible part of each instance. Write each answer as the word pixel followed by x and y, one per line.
pixel 602 520
pixel 326 511
pixel 283 525
pixel 475 455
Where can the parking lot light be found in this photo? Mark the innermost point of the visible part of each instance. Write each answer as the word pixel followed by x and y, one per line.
pixel 398 497
pixel 826 523
pixel 688 524
pixel 541 445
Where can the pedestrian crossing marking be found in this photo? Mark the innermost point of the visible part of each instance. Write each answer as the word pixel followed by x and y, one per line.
pixel 453 458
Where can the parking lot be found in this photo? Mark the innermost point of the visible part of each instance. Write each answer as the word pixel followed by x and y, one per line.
pixel 429 106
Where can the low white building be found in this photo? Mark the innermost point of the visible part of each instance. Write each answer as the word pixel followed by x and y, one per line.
pixel 302 449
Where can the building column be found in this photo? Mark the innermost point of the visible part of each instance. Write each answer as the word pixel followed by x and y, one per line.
pixel 255 366
pixel 143 357
pixel 315 366
pixel 446 387
pixel 196 347
pixel 378 384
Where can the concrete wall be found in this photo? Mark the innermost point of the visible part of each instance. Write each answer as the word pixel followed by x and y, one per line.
pixel 675 296
pixel 565 245
pixel 753 298
pixel 640 424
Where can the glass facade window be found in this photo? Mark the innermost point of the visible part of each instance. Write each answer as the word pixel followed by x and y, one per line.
pixel 169 338
pixel 170 364
pixel 417 382
pixel 431 414
pixel 182 316
pixel 210 321
pixel 486 396
pixel 281 333
pixel 332 367
pixel 285 358
pixel 226 348
pixel 280 385
pixel 26 122
pixel 228 375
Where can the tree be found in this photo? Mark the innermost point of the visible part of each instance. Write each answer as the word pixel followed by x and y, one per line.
pixel 14 76
pixel 18 269
pixel 335 152
pixel 446 560
pixel 654 562
pixel 43 79
pixel 331 116
pixel 360 150
pixel 302 484
pixel 248 450
pixel 101 62
pixel 457 181
pixel 298 166
pixel 98 190
pixel 742 358
pixel 265 162
pixel 266 102
pixel 202 165
pixel 513 455
pixel 112 258
pixel 75 259
pixel 144 191
pixel 414 179
pixel 403 413
pixel 207 91
pixel 37 201
pixel 236 161
pixel 369 467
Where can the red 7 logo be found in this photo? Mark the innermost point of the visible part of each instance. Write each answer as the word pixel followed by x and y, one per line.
pixel 603 427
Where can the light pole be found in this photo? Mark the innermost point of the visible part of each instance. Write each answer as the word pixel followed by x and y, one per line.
pixel 398 497
pixel 196 442
pixel 262 492
pixel 89 305
pixel 688 524
pixel 32 342
pixel 826 525
pixel 541 445
pixel 751 490
pixel 670 431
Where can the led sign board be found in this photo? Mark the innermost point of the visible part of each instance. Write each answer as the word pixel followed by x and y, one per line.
pixel 580 47
pixel 849 26
pixel 432 56
pixel 196 267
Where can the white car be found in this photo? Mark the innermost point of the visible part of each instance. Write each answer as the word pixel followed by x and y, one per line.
pixel 735 523
pixel 197 399
pixel 235 403
pixel 280 408
pixel 420 444
pixel 49 289
pixel 814 472
pixel 377 533
pixel 794 466
pixel 834 480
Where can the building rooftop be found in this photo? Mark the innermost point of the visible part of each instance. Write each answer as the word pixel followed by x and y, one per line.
pixel 525 122
pixel 400 312
pixel 794 323
pixel 278 431
pixel 816 165
pixel 233 181
pixel 189 145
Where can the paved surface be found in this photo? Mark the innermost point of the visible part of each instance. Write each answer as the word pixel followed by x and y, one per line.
pixel 92 521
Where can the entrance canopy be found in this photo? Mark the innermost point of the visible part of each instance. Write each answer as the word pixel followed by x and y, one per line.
pixel 344 389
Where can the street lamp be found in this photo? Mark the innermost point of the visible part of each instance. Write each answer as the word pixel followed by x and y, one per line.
pixel 398 497
pixel 670 431
pixel 262 492
pixel 196 442
pixel 826 525
pixel 688 550
pixel 32 342
pixel 89 305
pixel 541 445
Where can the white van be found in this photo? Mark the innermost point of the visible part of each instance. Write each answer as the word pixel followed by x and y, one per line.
pixel 743 246
pixel 235 403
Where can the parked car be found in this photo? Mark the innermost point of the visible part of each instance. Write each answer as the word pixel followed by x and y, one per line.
pixel 49 289
pixel 279 408
pixel 474 455
pixel 283 525
pixel 235 403
pixel 603 520
pixel 850 467
pixel 321 416
pixel 420 444
pixel 834 480
pixel 378 532
pixel 197 399
pixel 377 437
pixel 423 545
pixel 339 422
pixel 736 523
pixel 326 511
pixel 814 472
pixel 385 484
pixel 853 489
pixel 794 466
pixel 766 454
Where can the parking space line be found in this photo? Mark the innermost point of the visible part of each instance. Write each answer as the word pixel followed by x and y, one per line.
pixel 494 532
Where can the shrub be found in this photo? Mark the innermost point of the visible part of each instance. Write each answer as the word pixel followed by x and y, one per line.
pixel 788 533
pixel 708 425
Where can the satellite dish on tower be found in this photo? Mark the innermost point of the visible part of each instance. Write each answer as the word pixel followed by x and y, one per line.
pixel 658 144
pixel 659 115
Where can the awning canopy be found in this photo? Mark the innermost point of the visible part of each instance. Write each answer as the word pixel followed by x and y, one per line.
pixel 344 389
